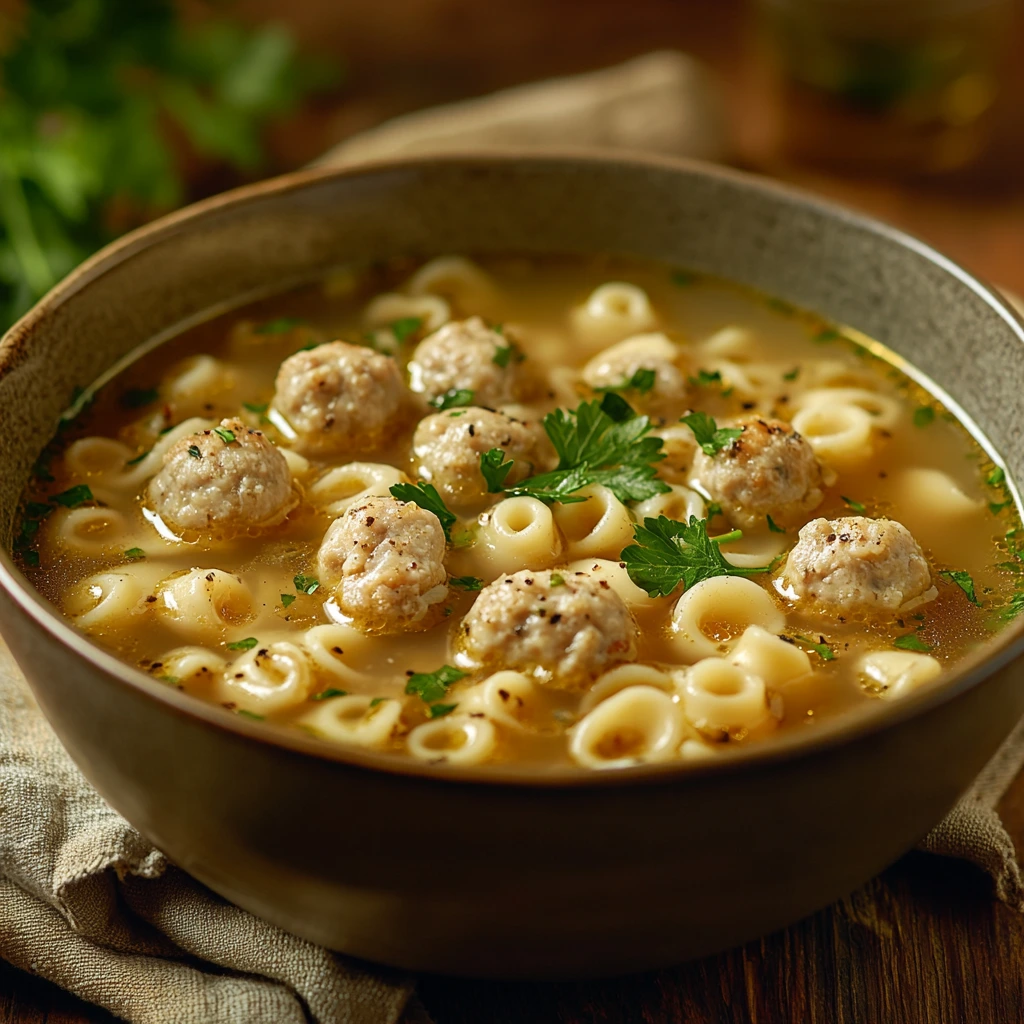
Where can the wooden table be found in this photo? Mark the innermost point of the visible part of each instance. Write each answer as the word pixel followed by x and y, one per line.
pixel 924 943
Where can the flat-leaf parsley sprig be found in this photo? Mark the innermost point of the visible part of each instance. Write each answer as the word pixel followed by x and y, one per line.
pixel 668 552
pixel 598 442
pixel 426 496
pixel 711 438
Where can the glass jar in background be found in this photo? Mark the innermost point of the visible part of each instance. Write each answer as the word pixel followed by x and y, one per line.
pixel 894 86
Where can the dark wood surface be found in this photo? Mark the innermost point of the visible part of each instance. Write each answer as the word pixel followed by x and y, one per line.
pixel 924 943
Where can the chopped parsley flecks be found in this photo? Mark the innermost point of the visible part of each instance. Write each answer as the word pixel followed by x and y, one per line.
pixel 134 554
pixel 668 552
pixel 856 506
pixel 279 325
pixel 453 398
pixel 405 327
pixel 711 438
pixel 819 647
pixel 227 436
pixel 773 526
pixel 642 381
pixel 73 496
pixel 243 645
pixel 963 580
pixel 924 415
pixel 495 469
pixel 426 496
pixel 431 687
pixel 306 584
pixel 911 642
pixel 258 408
pixel 287 599
pixel 440 710
pixel 194 451
pixel 467 583
pixel 557 579
pixel 331 691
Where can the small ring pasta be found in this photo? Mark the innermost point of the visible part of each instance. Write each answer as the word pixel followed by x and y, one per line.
pixel 754 550
pixel 884 411
pixel 725 604
pixel 613 311
pixel 621 678
pixel 839 434
pixel 455 279
pixel 679 503
pixel 189 666
pixel 517 533
pixel 385 309
pixel 203 602
pixel 457 738
pixel 599 527
pixel 356 718
pixel 636 725
pixel 720 697
pixel 90 531
pixel 343 486
pixel 267 679
pixel 764 654
pixel 894 674
pixel 328 645
pixel 508 698
pixel 616 575
pixel 106 600
pixel 96 457
pixel 197 379
pixel 729 343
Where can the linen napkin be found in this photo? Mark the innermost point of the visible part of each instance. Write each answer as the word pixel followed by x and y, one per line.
pixel 88 903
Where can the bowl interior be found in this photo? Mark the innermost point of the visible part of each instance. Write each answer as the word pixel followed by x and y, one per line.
pixel 213 256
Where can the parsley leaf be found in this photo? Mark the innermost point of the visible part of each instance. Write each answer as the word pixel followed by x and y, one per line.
pixel 440 710
pixel 495 469
pixel 964 581
pixel 287 599
pixel 668 552
pixel 705 378
pixel 137 398
pixel 426 496
pixel 557 579
pixel 331 691
pixel 598 443
pixel 250 714
pixel 244 645
pixel 194 451
pixel 923 416
pixel 453 398
pixel 405 328
pixel 773 526
pixel 73 496
pixel 856 506
pixel 829 334
pixel 996 477
pixel 37 510
pixel 256 407
pixel 821 649
pixel 376 702
pixel 709 435
pixel 503 354
pixel 910 642
pixel 642 380
pixel 793 374
pixel 279 325
pixel 135 553
pixel 468 583
pixel 227 436
pixel 306 584
pixel 432 686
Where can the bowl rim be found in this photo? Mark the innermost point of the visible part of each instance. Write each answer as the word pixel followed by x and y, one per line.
pixel 1006 646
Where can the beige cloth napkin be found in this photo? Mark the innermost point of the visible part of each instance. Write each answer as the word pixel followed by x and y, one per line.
pixel 88 903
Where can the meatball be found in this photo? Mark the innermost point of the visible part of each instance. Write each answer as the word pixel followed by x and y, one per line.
pixel 654 352
pixel 567 632
pixel 339 397
pixel 384 559
pixel 448 446
pixel 769 470
pixel 467 354
pixel 226 480
pixel 855 564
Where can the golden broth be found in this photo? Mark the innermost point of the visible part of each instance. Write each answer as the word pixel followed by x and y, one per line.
pixel 920 453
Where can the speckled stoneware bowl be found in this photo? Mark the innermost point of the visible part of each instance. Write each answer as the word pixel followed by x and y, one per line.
pixel 492 872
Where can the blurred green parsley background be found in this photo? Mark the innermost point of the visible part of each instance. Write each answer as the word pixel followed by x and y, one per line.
pixel 107 106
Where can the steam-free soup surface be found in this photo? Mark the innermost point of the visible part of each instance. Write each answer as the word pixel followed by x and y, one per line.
pixel 550 512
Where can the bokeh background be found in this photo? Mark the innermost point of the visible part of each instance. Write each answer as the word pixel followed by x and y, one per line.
pixel 114 111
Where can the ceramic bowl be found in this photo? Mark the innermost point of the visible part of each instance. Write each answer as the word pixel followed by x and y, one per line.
pixel 498 873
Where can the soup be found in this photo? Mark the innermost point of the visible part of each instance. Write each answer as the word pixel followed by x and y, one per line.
pixel 550 511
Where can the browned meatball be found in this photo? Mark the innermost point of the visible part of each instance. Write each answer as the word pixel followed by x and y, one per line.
pixel 384 559
pixel 340 397
pixel 769 470
pixel 856 564
pixel 448 445
pixel 565 634
pixel 226 481
pixel 467 355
